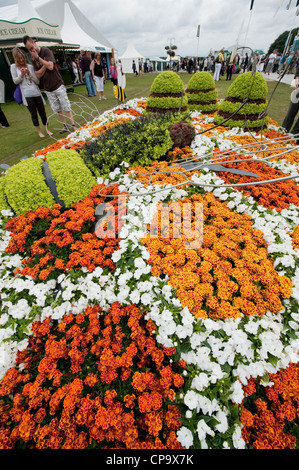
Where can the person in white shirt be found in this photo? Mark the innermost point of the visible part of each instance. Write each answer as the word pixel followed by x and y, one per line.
pixel 23 75
pixel 271 61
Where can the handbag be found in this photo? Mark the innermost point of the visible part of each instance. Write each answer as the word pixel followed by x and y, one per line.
pixel 18 95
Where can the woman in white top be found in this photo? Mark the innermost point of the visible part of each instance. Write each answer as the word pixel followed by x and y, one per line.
pixel 23 74
pixel 121 78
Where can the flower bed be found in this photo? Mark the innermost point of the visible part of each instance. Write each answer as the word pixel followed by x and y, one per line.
pixel 137 342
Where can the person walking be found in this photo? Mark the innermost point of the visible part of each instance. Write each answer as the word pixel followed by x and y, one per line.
pixel 140 67
pixel 229 69
pixel 98 74
pixel 87 75
pixel 24 76
pixel 271 61
pixel 75 72
pixel 3 120
pixel 113 71
pixel 245 63
pixel 45 67
pixel 293 110
pixel 218 65
pixel 134 68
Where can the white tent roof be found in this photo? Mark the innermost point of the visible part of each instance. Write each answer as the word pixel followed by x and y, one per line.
pixel 131 53
pixel 26 11
pixel 158 59
pixel 53 12
pixel 70 26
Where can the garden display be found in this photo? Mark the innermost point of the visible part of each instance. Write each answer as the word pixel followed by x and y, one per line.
pixel 201 93
pixel 251 114
pixel 116 333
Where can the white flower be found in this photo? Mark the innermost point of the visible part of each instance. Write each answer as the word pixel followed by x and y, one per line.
pixel 200 381
pixel 191 399
pixel 185 437
pixel 238 441
pixel 135 296
pixel 237 393
pixel 203 429
pixel 146 298
pixel 223 425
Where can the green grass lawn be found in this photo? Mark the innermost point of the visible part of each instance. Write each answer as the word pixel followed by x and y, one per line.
pixel 21 138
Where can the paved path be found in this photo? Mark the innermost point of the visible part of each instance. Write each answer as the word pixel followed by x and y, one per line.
pixel 288 78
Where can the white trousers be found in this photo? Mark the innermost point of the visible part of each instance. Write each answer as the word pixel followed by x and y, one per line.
pixel 217 72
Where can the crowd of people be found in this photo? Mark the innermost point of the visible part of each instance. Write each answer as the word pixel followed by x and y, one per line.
pixel 220 63
pixel 93 72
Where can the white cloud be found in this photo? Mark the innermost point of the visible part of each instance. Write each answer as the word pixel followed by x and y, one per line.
pixel 149 24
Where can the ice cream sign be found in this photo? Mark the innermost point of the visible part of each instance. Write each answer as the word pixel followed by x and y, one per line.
pixel 14 32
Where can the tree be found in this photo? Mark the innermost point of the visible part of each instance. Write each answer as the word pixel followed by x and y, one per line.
pixel 280 41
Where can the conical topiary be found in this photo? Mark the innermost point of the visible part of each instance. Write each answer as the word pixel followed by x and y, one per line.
pixel 167 94
pixel 201 93
pixel 253 114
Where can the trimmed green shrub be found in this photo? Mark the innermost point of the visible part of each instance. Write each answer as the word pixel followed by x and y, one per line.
pixel 72 177
pixel 201 93
pixel 167 103
pixel 3 201
pixel 25 186
pixel 167 94
pixel 167 82
pixel 249 85
pixel 253 114
pixel 136 142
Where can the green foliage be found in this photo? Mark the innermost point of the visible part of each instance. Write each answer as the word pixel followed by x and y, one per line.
pixel 248 108
pixel 201 100
pixel 167 82
pixel 137 142
pixel 201 81
pixel 280 41
pixel 3 201
pixel 25 187
pixel 248 85
pixel 252 124
pixel 73 179
pixel 201 96
pixel 166 102
pixel 204 108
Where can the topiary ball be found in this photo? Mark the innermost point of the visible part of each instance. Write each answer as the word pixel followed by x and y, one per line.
pixel 167 94
pixel 62 178
pixel 253 114
pixel 201 93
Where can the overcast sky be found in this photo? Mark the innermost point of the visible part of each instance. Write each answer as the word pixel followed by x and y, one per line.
pixel 152 24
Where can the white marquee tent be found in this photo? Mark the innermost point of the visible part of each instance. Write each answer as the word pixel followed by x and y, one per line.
pixel 128 56
pixel 64 13
pixel 80 37
pixel 25 11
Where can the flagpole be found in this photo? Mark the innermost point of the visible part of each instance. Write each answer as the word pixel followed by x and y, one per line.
pixel 198 33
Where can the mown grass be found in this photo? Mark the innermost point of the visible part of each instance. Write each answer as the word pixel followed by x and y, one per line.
pixel 21 138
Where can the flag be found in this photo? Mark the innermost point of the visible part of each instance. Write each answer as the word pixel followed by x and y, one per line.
pixel 119 93
pixel 198 31
pixel 251 6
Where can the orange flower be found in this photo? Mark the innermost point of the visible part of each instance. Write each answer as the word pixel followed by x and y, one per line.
pixel 228 274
